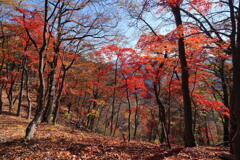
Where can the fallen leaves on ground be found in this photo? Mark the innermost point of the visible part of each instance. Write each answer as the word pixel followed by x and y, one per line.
pixel 64 143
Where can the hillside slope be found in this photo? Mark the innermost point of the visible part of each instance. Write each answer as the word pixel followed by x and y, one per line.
pixel 61 142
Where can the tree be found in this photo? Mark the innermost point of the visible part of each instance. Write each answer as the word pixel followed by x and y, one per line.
pixel 32 23
pixel 230 46
pixel 175 9
pixel 188 132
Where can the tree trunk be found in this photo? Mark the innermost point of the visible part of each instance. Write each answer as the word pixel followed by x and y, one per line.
pixel 29 105
pixel 56 110
pixel 51 97
pixel 21 91
pixel 116 123
pixel 161 115
pixel 33 124
pixel 40 102
pixel 99 119
pixel 91 120
pixel 129 113
pixel 41 89
pixel 10 96
pixel 226 103
pixel 235 103
pixel 52 76
pixel 189 139
pixel 114 96
pixel 2 63
pixel 206 132
pixel 106 122
pixel 136 117
pixel 235 93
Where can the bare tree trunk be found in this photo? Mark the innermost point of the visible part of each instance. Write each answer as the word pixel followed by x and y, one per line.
pixel 51 97
pixel 41 90
pixel 2 63
pixel 40 102
pixel 161 115
pixel 29 105
pixel 21 90
pixel 226 103
pixel 136 117
pixel 106 122
pixel 52 75
pixel 91 120
pixel 80 109
pixel 10 95
pixel 235 93
pixel 195 115
pixel 206 132
pixel 56 110
pixel 189 139
pixel 99 118
pixel 129 113
pixel 114 96
pixel 116 123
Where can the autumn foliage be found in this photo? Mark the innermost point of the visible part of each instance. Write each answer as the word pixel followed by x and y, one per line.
pixel 58 65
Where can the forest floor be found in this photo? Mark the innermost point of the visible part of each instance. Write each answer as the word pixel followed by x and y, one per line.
pixel 61 142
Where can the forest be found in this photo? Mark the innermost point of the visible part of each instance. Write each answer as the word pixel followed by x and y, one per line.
pixel 120 79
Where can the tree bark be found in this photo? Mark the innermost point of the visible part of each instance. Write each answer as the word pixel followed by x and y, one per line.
pixel 2 63
pixel 41 89
pixel 29 105
pixel 189 139
pixel 40 101
pixel 56 110
pixel 226 103
pixel 116 123
pixel 161 116
pixel 10 95
pixel 52 76
pixel 114 96
pixel 235 93
pixel 129 112
pixel 91 119
pixel 136 117
pixel 21 90
pixel 51 97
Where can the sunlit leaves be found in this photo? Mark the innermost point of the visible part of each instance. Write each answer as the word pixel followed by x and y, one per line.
pixel 202 6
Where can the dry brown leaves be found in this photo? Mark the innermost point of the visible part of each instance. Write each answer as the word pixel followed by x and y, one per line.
pixel 64 143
